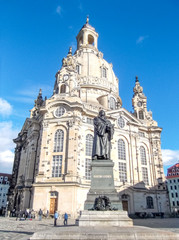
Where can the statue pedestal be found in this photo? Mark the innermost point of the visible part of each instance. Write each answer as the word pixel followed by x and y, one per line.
pixel 104 218
pixel 102 184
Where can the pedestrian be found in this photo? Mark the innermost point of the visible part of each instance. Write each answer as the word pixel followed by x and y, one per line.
pixel 65 219
pixel 55 218
pixel 47 214
pixel 17 214
pixel 40 214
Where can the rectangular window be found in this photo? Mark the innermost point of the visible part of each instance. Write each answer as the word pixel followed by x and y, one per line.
pixel 173 203
pixel 141 134
pixel 57 166
pixel 89 121
pixel 88 169
pixel 172 195
pixel 174 180
pixel 78 69
pixel 171 187
pixel 170 181
pixel 104 72
pixel 177 203
pixel 122 172
pixel 175 187
pixel 176 194
pixel 145 175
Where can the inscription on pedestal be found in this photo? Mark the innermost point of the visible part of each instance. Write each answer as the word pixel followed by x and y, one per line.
pixel 102 176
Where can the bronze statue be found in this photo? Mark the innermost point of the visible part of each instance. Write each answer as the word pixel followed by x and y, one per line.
pixel 103 133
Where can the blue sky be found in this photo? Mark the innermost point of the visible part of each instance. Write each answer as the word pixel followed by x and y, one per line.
pixel 139 38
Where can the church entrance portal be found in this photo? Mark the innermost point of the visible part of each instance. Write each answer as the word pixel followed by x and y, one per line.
pixel 53 202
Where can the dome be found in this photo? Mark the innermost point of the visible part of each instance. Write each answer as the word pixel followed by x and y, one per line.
pixel 91 77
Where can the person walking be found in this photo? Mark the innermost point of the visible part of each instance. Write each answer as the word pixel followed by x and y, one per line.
pixel 40 214
pixel 47 214
pixel 55 218
pixel 65 219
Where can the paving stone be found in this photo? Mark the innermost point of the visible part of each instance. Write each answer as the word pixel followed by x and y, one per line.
pixel 10 229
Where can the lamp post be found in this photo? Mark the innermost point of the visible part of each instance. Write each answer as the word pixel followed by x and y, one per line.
pixel 6 214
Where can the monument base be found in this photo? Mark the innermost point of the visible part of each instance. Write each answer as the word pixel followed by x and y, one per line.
pixel 102 184
pixel 104 218
pixel 104 233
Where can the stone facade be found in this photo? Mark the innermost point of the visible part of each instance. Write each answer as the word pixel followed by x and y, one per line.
pixel 173 188
pixel 4 187
pixel 53 154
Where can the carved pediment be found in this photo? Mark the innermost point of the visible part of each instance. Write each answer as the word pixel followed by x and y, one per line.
pixel 131 119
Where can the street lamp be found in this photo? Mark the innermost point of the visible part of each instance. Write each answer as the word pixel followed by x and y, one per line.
pixel 6 209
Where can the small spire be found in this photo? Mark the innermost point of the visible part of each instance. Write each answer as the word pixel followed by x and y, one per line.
pixel 136 79
pixel 70 50
pixel 87 19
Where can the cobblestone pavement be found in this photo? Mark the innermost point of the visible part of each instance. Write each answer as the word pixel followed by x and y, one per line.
pixel 10 229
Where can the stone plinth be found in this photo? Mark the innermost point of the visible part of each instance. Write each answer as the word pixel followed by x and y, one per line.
pixel 104 233
pixel 104 218
pixel 102 183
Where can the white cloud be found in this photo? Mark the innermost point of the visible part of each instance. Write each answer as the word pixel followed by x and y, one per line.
pixel 59 10
pixel 7 146
pixel 170 157
pixel 141 39
pixel 5 108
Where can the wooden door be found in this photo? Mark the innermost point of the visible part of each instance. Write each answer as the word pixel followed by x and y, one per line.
pixel 125 205
pixel 53 205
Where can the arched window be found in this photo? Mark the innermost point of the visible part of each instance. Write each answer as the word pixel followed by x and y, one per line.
pixel 89 145
pixel 112 103
pixel 149 202
pixel 121 150
pixel 143 156
pixel 141 114
pixel 58 141
pixel 81 40
pixel 63 88
pixel 90 40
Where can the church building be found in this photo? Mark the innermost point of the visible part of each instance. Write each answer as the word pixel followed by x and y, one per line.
pixel 53 151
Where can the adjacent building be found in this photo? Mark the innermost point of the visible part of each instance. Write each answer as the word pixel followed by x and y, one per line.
pixel 53 150
pixel 4 187
pixel 173 187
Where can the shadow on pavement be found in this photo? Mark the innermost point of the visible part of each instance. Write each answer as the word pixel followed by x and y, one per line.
pixel 8 231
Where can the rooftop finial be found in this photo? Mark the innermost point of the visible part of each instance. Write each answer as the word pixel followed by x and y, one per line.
pixel 70 50
pixel 87 19
pixel 136 79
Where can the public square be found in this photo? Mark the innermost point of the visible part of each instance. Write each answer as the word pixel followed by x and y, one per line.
pixel 15 230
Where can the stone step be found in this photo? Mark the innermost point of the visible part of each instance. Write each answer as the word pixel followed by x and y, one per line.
pixel 104 233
